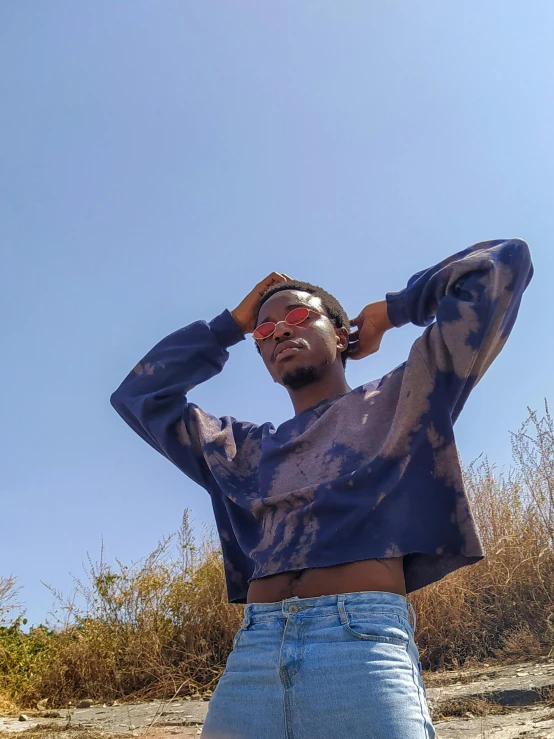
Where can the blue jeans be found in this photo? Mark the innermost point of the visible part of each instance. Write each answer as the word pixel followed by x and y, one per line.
pixel 333 667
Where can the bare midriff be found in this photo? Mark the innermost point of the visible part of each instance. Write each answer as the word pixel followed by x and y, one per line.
pixel 385 575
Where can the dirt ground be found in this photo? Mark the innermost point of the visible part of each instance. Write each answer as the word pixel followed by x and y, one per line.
pixel 486 702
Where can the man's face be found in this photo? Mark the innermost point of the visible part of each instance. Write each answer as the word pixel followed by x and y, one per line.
pixel 298 355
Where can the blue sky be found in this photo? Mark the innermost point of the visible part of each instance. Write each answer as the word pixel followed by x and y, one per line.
pixel 159 159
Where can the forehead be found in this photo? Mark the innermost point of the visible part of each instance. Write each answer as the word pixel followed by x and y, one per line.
pixel 278 304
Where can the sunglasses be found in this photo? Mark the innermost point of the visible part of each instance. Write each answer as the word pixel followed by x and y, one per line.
pixel 294 318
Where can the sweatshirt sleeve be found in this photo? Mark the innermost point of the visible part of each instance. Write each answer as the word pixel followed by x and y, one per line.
pixel 152 399
pixel 474 296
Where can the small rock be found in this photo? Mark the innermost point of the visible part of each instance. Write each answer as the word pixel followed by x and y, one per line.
pixel 132 728
pixel 206 697
pixel 469 715
pixel 196 697
pixel 41 705
pixel 50 714
pixel 188 698
pixel 85 703
pixel 23 717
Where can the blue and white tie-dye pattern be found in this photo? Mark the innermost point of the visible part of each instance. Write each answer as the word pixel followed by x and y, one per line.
pixel 371 473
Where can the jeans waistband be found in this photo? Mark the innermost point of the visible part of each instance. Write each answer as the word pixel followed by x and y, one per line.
pixel 327 604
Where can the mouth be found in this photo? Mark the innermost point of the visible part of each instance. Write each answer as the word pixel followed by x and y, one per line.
pixel 288 349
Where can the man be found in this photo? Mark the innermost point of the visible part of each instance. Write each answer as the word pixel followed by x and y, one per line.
pixel 328 521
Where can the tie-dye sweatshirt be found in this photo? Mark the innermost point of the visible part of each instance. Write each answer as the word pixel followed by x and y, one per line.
pixel 370 473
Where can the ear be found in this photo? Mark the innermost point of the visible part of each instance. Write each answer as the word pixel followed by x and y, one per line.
pixel 342 339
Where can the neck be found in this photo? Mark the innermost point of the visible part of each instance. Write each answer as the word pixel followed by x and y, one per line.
pixel 331 383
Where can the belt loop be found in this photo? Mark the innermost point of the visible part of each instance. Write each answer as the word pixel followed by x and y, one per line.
pixel 342 609
pixel 247 617
pixel 411 610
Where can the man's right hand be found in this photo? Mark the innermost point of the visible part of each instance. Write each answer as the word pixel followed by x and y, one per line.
pixel 246 313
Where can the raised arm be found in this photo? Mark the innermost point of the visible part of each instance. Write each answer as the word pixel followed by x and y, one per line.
pixel 152 399
pixel 474 296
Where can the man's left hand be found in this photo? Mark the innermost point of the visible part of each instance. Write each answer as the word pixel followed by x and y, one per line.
pixel 370 327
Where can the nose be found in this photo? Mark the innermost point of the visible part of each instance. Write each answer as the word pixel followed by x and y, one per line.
pixel 283 331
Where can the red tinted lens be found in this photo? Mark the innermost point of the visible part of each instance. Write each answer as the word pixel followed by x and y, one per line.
pixel 263 330
pixel 297 315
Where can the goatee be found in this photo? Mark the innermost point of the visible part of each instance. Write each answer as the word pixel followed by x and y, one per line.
pixel 301 377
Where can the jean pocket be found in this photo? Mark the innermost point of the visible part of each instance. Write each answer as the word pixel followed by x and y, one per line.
pixel 384 628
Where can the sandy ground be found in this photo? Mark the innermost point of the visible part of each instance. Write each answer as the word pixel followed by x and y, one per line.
pixel 488 702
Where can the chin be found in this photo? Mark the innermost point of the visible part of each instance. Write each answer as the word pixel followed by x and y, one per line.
pixel 296 378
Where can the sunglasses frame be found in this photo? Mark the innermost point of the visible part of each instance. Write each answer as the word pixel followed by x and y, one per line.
pixel 300 307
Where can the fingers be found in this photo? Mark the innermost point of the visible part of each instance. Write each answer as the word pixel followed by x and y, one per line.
pixel 276 277
pixel 245 314
pixel 355 351
pixel 353 344
pixel 273 279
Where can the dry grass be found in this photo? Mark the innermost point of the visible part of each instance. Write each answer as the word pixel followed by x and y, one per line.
pixel 502 608
pixel 163 628
pixel 7 706
pixel 158 629
pixel 8 597
pixel 61 732
pixel 459 707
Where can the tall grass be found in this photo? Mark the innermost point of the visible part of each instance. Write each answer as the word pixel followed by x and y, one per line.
pixel 162 627
pixel 503 607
